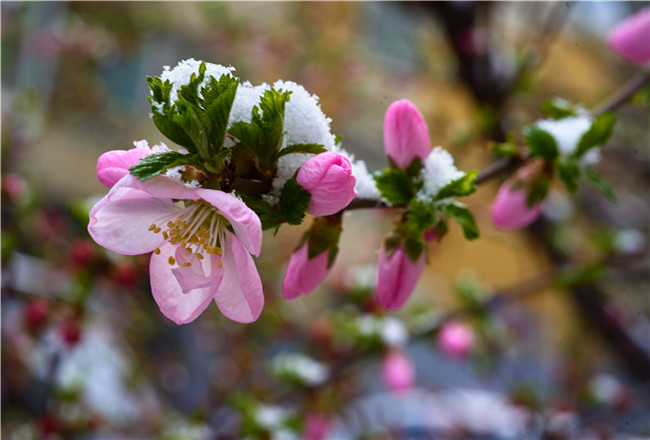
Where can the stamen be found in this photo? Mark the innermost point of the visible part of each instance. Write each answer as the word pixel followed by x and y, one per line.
pixel 152 227
pixel 188 264
pixel 172 260
pixel 157 251
pixel 219 264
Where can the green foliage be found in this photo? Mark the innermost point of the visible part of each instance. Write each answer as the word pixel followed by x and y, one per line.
pixel 394 186
pixel 302 148
pixel 157 163
pixel 600 183
pixel 263 135
pixel 294 200
pixel 538 190
pixel 414 246
pixel 600 131
pixel 461 187
pixel 507 148
pixel 420 216
pixel 568 171
pixel 197 120
pixel 540 142
pixel 464 217
pixel 558 108
pixel 324 236
pixel 270 216
pixel 589 273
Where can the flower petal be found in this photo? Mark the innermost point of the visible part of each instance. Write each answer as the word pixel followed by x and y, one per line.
pixel 113 165
pixel 174 304
pixel 120 221
pixel 397 276
pixel 406 135
pixel 247 225
pixel 198 273
pixel 240 296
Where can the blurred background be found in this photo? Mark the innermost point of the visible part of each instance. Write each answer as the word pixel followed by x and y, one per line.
pixel 557 315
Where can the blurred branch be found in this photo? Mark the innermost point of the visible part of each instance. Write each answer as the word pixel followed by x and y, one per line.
pixel 624 93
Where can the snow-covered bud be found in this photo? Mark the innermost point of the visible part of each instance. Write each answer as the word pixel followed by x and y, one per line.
pixel 631 37
pixel 397 372
pixel 455 339
pixel 510 209
pixel 328 178
pixel 406 135
pixel 115 164
pixel 397 276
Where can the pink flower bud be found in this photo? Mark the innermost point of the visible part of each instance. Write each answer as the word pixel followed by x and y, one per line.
pixel 304 274
pixel 631 37
pixel 510 209
pixel 328 178
pixel 398 372
pixel 115 164
pixel 316 427
pixel 406 135
pixel 456 340
pixel 397 276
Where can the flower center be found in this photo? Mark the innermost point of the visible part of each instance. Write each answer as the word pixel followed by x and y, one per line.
pixel 199 229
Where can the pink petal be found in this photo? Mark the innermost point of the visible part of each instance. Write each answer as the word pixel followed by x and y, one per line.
pixel 174 304
pixel 113 165
pixel 398 372
pixel 631 37
pixel 200 273
pixel 245 222
pixel 396 278
pixel 120 221
pixel 303 274
pixel 163 187
pixel 240 296
pixel 406 135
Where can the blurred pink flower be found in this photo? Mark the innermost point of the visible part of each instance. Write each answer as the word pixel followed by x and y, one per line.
pixel 115 164
pixel 455 339
pixel 631 37
pixel 510 209
pixel 328 178
pixel 316 427
pixel 397 276
pixel 397 372
pixel 196 258
pixel 406 135
pixel 304 274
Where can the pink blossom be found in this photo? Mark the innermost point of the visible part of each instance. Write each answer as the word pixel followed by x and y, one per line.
pixel 456 339
pixel 316 427
pixel 397 276
pixel 115 164
pixel 510 209
pixel 398 372
pixel 406 135
pixel 328 178
pixel 196 258
pixel 304 274
pixel 631 37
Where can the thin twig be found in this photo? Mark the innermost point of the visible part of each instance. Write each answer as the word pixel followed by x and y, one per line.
pixel 624 93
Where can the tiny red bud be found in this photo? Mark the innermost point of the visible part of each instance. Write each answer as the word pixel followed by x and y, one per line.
pixel 70 333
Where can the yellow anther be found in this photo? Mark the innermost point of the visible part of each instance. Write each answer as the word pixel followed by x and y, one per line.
pixel 199 256
pixel 156 230
pixel 165 235
pixel 152 227
pixel 189 251
pixel 170 224
pixel 157 251
pixel 188 264
pixel 219 264
pixel 172 260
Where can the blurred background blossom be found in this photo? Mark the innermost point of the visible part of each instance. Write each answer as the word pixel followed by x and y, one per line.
pixel 87 354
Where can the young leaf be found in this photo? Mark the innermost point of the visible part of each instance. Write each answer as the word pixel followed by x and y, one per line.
pixel 294 200
pixel 394 186
pixel 507 148
pixel 465 219
pixel 270 216
pixel 157 163
pixel 302 148
pixel 414 248
pixel 601 129
pixel 420 216
pixel 568 172
pixel 540 142
pixel 600 183
pixel 558 108
pixel 218 97
pixel 460 187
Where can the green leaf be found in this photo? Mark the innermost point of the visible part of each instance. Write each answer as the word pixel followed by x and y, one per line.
pixel 420 217
pixel 538 190
pixel 507 148
pixel 157 163
pixel 394 186
pixel 465 219
pixel 460 187
pixel 558 108
pixel 294 200
pixel 601 129
pixel 270 216
pixel 218 97
pixel 568 171
pixel 302 148
pixel 540 142
pixel 414 248
pixel 600 183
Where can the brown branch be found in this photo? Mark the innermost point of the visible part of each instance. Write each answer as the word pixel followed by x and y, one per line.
pixel 624 93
